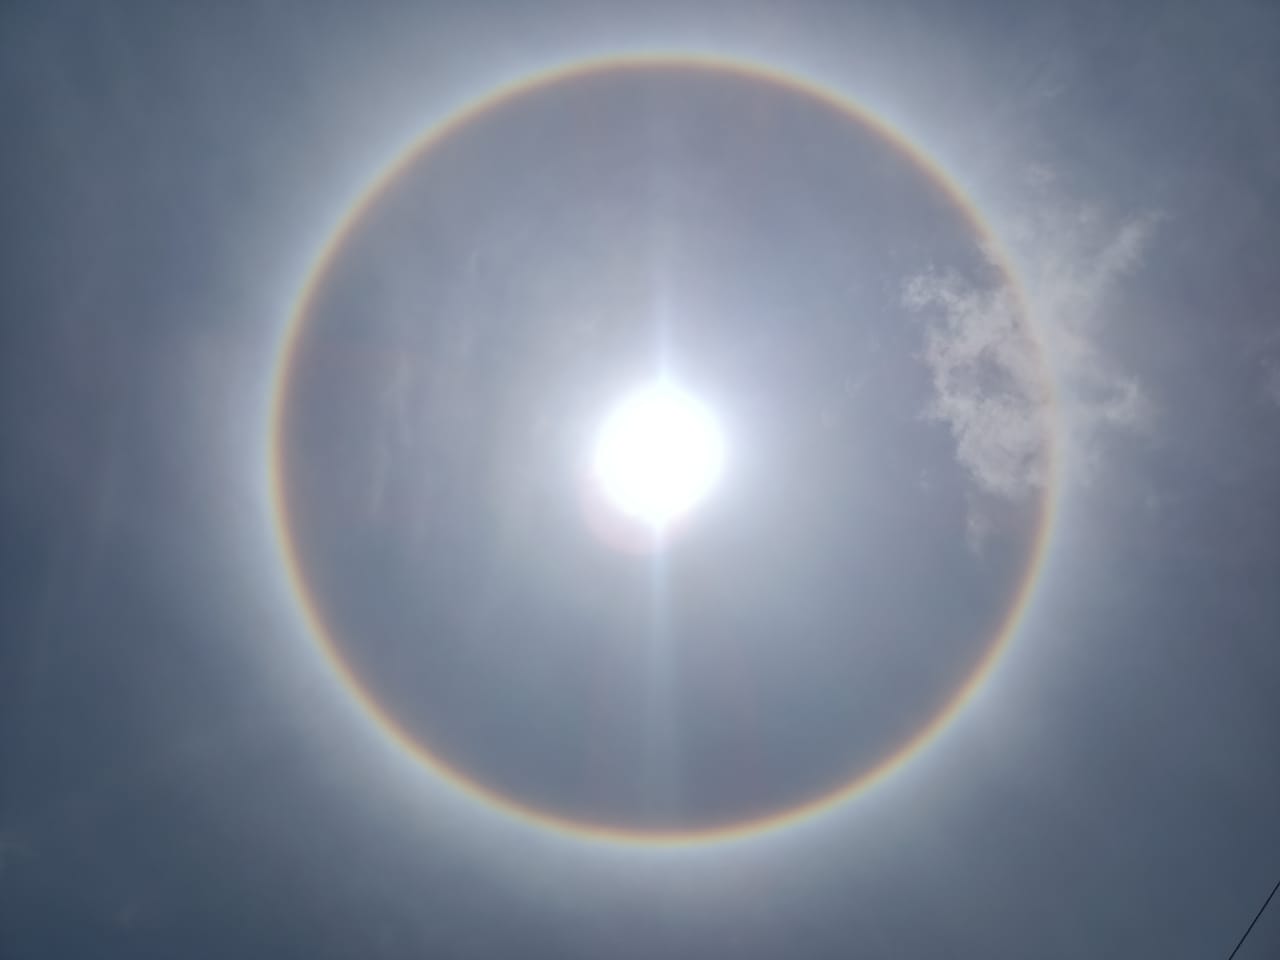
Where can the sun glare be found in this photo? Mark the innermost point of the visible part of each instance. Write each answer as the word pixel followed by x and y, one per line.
pixel 657 454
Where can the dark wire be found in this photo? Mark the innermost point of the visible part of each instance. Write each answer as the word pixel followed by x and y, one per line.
pixel 1261 910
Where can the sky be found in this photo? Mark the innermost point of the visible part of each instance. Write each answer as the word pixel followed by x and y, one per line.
pixel 996 350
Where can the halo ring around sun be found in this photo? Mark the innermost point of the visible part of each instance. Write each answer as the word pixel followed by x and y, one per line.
pixel 320 631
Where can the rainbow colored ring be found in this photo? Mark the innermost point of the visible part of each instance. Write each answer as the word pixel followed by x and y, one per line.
pixel 319 629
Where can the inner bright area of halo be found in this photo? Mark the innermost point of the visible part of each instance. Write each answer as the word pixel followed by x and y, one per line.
pixel 657 454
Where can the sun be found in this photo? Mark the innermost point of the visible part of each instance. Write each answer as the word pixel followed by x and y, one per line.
pixel 658 453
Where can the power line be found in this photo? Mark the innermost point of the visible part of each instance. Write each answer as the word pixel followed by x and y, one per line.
pixel 1255 920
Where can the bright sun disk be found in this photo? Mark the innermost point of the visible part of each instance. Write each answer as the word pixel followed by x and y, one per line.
pixel 657 454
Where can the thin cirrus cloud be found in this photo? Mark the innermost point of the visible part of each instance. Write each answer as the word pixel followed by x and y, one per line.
pixel 1269 351
pixel 1271 380
pixel 987 384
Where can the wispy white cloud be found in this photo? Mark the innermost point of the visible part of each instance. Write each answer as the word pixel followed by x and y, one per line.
pixel 987 386
pixel 987 373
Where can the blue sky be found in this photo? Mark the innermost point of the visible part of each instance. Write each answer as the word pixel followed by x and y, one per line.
pixel 184 775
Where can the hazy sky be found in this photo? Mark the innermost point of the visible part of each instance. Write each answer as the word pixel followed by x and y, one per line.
pixel 183 774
